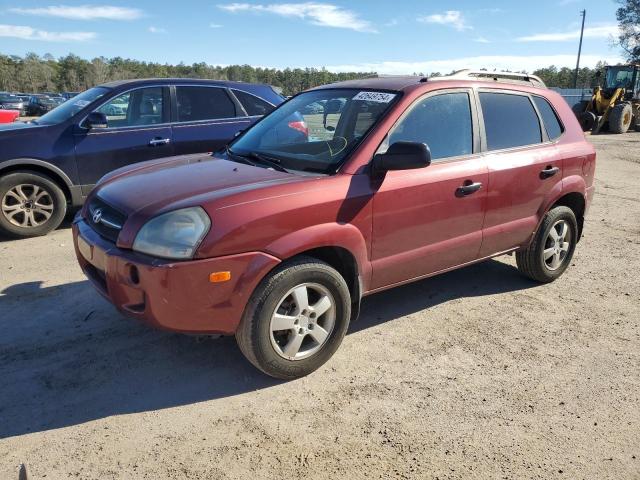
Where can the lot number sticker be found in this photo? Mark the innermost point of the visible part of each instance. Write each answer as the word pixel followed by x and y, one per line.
pixel 380 97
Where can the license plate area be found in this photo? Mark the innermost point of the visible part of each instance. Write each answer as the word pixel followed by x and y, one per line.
pixel 92 254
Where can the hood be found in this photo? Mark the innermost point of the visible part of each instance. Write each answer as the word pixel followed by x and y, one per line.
pixel 17 126
pixel 177 182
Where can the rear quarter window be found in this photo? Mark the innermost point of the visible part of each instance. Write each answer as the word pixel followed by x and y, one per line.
pixel 549 118
pixel 509 120
pixel 253 105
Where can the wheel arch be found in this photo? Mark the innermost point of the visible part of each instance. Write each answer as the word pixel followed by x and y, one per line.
pixel 577 203
pixel 340 245
pixel 43 168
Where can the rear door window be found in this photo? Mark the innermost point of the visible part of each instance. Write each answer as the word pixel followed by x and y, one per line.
pixel 549 118
pixel 509 120
pixel 203 103
pixel 253 105
pixel 441 121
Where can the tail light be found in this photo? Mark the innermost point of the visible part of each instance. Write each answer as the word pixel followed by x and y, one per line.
pixel 300 126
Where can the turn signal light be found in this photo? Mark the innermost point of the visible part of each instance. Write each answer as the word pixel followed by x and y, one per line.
pixel 217 277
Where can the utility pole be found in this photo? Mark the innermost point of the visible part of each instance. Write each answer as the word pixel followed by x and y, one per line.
pixel 575 75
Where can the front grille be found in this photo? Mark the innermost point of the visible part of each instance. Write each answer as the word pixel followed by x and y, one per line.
pixel 105 219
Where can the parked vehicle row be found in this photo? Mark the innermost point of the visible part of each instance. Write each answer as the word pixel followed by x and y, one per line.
pixel 275 239
pixel 53 162
pixel 12 102
pixel 33 104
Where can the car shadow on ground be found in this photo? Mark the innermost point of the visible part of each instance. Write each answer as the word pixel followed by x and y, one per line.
pixel 67 357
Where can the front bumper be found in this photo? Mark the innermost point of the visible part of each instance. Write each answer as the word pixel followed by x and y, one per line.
pixel 174 296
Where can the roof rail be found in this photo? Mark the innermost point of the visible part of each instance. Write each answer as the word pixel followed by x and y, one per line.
pixel 506 77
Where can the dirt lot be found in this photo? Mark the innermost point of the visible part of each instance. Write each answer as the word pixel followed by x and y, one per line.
pixel 477 373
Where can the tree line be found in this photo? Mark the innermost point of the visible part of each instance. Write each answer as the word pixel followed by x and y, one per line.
pixel 34 74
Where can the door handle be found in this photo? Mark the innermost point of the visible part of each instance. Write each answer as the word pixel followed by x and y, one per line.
pixel 156 142
pixel 468 188
pixel 549 172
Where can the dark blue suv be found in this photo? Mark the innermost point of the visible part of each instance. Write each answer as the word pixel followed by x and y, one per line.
pixel 54 161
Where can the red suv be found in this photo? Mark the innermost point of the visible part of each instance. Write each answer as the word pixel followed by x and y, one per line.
pixel 397 179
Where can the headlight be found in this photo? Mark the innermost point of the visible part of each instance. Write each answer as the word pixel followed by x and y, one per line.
pixel 173 235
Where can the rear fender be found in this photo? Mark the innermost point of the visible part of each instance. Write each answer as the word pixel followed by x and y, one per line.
pixel 570 184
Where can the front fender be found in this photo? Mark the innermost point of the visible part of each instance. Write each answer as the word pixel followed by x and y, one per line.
pixel 345 236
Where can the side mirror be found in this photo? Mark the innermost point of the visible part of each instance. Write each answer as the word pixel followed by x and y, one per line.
pixel 403 156
pixel 96 120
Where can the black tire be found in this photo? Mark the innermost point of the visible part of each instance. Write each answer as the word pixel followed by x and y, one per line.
pixel 580 107
pixel 588 121
pixel 52 203
pixel 531 261
pixel 254 335
pixel 620 118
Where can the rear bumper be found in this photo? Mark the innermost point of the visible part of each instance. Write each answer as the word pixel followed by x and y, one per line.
pixel 174 296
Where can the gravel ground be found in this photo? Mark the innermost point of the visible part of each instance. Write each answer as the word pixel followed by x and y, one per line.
pixel 478 373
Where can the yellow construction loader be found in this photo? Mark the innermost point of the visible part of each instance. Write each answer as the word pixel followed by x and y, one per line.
pixel 616 104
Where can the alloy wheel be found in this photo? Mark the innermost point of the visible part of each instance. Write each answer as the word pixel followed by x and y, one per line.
pixel 27 205
pixel 302 321
pixel 557 245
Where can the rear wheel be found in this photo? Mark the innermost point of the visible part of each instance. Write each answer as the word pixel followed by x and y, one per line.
pixel 30 205
pixel 620 118
pixel 551 251
pixel 296 319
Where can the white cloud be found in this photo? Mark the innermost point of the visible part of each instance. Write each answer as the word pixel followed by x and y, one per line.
pixel 490 62
pixel 452 18
pixel 215 25
pixel 29 33
pixel 481 40
pixel 153 29
pixel 591 32
pixel 83 12
pixel 321 14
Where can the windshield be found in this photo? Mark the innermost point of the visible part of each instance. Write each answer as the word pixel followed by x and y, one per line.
pixel 619 77
pixel 72 106
pixel 315 131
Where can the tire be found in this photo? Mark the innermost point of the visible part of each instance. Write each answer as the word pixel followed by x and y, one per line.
pixel 620 118
pixel 580 107
pixel 588 121
pixel 531 260
pixel 21 190
pixel 272 352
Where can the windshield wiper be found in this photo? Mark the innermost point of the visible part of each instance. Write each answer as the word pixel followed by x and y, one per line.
pixel 259 157
pixel 265 159
pixel 236 157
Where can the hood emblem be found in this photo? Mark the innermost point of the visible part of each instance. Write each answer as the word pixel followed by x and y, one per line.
pixel 97 216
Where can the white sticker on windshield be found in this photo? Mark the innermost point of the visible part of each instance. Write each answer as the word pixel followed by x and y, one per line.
pixel 81 103
pixel 380 97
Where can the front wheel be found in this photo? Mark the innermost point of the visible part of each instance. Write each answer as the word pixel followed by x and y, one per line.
pixel 551 251
pixel 296 319
pixel 30 205
pixel 620 118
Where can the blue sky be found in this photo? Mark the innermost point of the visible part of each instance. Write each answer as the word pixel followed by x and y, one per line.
pixel 400 36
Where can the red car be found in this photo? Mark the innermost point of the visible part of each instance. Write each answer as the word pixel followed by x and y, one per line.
pixel 9 116
pixel 397 180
